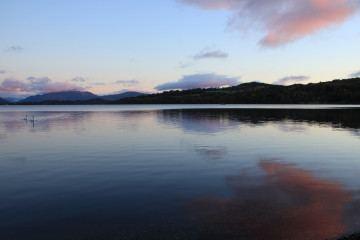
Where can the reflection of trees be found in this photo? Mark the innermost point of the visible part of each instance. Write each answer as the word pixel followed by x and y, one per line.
pixel 216 120
pixel 337 118
pixel 285 203
pixel 200 120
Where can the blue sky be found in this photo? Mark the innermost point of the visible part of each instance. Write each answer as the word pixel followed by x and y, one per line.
pixel 113 46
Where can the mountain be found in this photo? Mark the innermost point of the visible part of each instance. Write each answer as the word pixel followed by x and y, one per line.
pixel 11 99
pixel 115 97
pixel 61 96
pixel 75 97
pixel 346 91
pixel 3 101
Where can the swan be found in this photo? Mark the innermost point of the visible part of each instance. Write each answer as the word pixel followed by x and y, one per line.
pixel 25 118
pixel 33 119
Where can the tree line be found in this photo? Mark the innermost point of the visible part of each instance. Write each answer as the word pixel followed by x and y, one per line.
pixel 334 92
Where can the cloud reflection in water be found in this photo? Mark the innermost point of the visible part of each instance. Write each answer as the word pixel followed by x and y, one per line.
pixel 285 202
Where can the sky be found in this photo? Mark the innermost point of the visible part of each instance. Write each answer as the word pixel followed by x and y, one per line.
pixel 113 46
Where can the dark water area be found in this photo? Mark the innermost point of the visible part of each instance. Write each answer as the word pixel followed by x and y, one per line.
pixel 179 172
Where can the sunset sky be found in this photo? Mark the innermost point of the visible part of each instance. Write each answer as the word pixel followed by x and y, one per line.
pixel 110 46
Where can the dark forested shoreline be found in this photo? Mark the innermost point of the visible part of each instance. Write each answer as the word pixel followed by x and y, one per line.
pixel 334 92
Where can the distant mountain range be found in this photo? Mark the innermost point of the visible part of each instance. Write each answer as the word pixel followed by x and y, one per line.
pixel 61 96
pixel 77 96
pixel 346 91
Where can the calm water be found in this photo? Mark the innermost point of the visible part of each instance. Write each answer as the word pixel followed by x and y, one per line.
pixel 179 172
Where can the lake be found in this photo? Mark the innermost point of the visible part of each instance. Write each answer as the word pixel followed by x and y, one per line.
pixel 179 172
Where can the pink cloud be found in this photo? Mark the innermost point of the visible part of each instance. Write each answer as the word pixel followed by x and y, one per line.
pixel 283 21
pixel 36 85
pixel 13 85
pixel 59 86
pixel 45 85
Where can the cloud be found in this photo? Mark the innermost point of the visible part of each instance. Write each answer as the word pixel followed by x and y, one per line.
pixel 13 85
pixel 99 84
pixel 33 85
pixel 78 79
pixel 128 83
pixel 210 54
pixel 199 81
pixel 14 49
pixel 2 71
pixel 130 90
pixel 282 21
pixel 291 79
pixel 355 75
pixel 45 85
pixel 204 54
pixel 122 91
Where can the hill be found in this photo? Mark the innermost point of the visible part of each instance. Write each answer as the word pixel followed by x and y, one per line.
pixel 61 96
pixel 334 92
pixel 115 97
pixel 75 97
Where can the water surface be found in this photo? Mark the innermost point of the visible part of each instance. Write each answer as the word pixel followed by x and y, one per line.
pixel 179 172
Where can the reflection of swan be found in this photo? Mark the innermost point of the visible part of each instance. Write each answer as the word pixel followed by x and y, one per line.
pixel 25 118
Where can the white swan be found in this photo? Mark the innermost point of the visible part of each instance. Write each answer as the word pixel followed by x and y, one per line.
pixel 33 119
